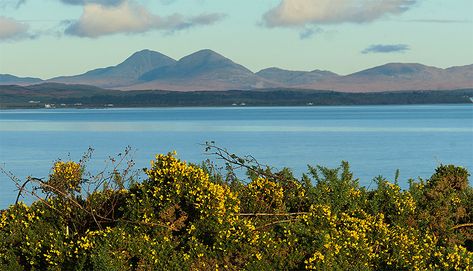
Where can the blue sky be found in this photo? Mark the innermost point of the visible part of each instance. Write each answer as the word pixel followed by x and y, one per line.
pixel 47 38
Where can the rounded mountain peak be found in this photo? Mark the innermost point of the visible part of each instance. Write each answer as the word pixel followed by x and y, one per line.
pixel 392 69
pixel 146 57
pixel 204 61
pixel 205 55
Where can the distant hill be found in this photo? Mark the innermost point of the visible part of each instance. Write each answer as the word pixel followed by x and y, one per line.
pixel 121 75
pixel 399 76
pixel 8 79
pixel 208 70
pixel 295 78
pixel 202 70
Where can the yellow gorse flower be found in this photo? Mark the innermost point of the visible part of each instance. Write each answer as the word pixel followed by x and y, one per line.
pixel 65 176
pixel 176 181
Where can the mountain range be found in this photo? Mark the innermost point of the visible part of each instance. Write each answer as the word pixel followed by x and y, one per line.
pixel 208 70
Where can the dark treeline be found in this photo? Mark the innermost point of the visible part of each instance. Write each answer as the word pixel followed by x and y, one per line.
pixel 69 96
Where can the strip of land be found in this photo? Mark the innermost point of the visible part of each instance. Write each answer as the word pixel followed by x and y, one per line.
pixel 53 95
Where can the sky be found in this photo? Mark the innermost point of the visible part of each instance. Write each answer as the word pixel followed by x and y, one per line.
pixel 48 38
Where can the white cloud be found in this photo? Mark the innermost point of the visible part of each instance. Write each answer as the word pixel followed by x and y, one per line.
pixel 130 17
pixel 11 29
pixel 302 12
pixel 98 20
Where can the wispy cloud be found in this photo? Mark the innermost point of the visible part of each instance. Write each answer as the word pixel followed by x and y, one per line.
pixel 439 21
pixel 20 2
pixel 302 12
pixel 309 32
pixel 178 22
pixel 11 3
pixel 167 2
pixel 131 17
pixel 386 48
pixel 11 29
pixel 99 2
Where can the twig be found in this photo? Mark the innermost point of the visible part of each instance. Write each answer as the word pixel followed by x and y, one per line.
pixel 68 196
pixel 146 224
pixel 21 189
pixel 237 161
pixel 462 226
pixel 273 214
pixel 277 222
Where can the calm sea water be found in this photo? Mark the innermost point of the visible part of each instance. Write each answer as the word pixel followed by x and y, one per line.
pixel 376 140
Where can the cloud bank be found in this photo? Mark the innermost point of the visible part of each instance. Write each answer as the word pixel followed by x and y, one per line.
pixel 386 48
pixel 11 29
pixel 130 17
pixel 302 12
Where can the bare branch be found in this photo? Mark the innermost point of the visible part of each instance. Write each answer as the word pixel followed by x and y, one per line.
pixel 273 214
pixel 277 222
pixel 466 225
pixel 247 162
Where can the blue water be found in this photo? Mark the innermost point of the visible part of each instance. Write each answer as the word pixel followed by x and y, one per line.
pixel 376 140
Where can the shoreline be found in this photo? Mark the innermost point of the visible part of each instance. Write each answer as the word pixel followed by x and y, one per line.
pixel 65 97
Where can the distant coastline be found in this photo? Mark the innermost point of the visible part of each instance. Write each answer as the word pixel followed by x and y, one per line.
pixel 83 96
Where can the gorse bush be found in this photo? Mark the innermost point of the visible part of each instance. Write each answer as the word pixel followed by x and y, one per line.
pixel 188 217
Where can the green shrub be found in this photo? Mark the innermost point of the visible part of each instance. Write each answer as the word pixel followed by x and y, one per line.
pixel 188 217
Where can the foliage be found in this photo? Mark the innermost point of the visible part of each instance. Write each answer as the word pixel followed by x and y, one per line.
pixel 188 217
